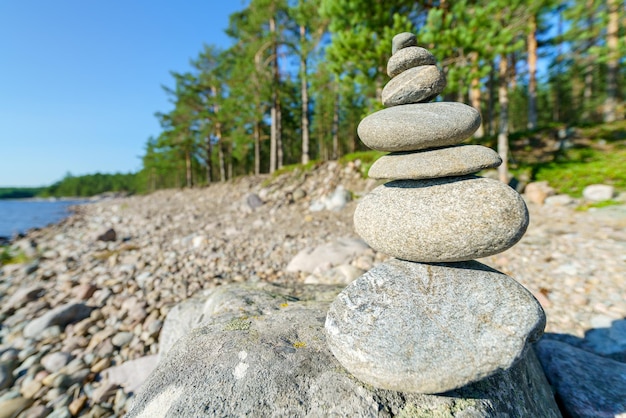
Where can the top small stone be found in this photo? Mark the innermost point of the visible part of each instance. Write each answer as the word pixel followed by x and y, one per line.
pixel 403 40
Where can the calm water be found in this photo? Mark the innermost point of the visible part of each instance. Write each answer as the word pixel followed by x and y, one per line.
pixel 20 215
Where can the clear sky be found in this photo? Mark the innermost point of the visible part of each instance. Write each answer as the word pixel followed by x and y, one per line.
pixel 80 80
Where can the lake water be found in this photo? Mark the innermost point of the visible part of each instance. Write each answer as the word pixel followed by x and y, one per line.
pixel 17 216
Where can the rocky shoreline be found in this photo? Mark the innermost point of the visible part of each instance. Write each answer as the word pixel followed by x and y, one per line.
pixel 103 301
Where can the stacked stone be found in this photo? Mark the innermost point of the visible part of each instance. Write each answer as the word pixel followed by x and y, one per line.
pixel 432 319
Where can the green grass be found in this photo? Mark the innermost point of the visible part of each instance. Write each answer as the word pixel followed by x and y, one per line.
pixel 367 159
pixel 10 255
pixel 578 168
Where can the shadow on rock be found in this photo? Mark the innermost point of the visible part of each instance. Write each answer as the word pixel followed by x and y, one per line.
pixel 588 374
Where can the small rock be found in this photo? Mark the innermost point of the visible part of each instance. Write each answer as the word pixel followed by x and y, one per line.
pixel 30 388
pixel 61 315
pixel 6 374
pixel 559 200
pixel 84 291
pixel 598 192
pixel 37 411
pixel 341 251
pixel 588 385
pixel 403 40
pixel 54 362
pixel 538 191
pixel 131 374
pixel 12 407
pixel 108 236
pixel 414 85
pixel 254 201
pixel 77 405
pixel 409 57
pixel 122 338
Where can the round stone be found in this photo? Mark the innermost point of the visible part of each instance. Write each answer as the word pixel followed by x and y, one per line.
pixel 415 85
pixel 441 162
pixel 410 57
pixel 441 220
pixel 431 328
pixel 419 126
pixel 402 40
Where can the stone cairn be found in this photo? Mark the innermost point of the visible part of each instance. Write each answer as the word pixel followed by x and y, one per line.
pixel 432 319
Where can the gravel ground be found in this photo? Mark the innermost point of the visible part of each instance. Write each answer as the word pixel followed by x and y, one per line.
pixel 171 245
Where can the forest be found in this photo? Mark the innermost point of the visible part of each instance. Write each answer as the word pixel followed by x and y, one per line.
pixel 301 74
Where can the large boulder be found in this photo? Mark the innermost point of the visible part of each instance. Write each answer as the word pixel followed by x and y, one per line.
pixel 263 352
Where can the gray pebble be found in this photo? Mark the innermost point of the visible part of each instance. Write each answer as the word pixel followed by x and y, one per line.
pixel 410 57
pixel 414 85
pixel 403 40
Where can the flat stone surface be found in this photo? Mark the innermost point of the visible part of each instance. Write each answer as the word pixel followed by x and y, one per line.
pixel 419 126
pixel 441 220
pixel 588 385
pixel 409 57
pixel 414 85
pixel 61 316
pixel 278 364
pixel 441 162
pixel 403 40
pixel 431 328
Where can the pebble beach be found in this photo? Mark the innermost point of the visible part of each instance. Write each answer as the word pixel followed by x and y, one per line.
pixel 111 291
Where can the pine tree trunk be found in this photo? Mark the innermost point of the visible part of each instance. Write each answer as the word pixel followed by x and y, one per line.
pixel 274 109
pixel 503 131
pixel 209 163
pixel 230 160
pixel 304 93
pixel 475 95
pixel 491 104
pixel 587 92
pixel 188 175
pixel 532 73
pixel 220 151
pixel 610 104
pixel 335 128
pixel 257 149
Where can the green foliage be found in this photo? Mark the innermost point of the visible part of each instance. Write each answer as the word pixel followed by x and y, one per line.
pixel 581 167
pixel 19 192
pixel 11 255
pixel 243 110
pixel 93 184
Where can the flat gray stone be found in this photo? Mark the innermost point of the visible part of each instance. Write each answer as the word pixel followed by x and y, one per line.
pixel 61 316
pixel 588 385
pixel 441 162
pixel 431 328
pixel 419 126
pixel 441 220
pixel 403 40
pixel 278 364
pixel 409 57
pixel 325 256
pixel 414 85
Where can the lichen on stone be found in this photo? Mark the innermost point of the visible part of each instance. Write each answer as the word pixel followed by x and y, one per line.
pixel 238 324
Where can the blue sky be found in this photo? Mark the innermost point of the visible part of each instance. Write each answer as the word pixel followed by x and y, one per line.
pixel 80 80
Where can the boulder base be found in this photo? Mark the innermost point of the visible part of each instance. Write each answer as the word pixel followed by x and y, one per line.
pixel 278 364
